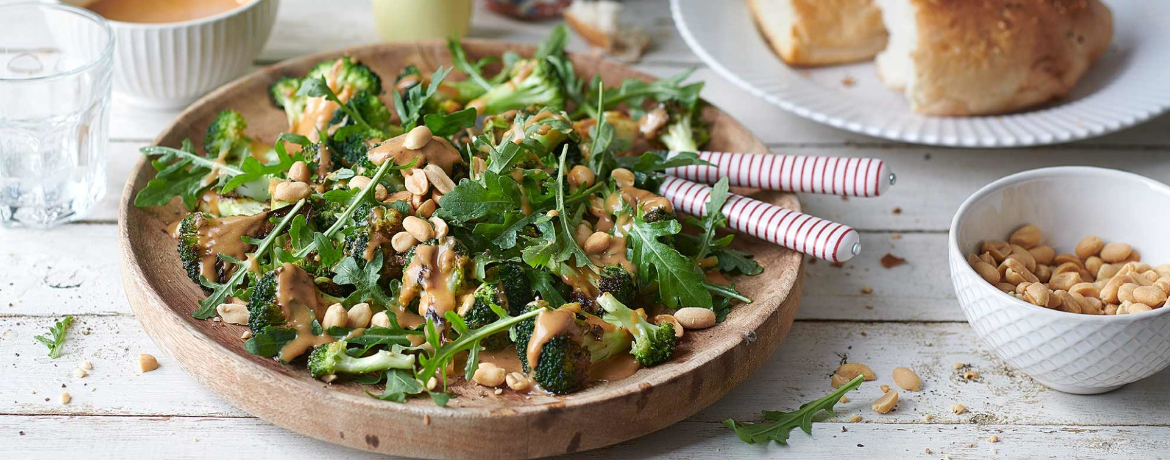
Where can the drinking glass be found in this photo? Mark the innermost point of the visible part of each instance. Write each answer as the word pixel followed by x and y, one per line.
pixel 55 65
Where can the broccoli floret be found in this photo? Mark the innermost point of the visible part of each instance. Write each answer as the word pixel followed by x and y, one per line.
pixel 653 344
pixel 522 332
pixel 263 310
pixel 331 359
pixel 532 82
pixel 190 251
pixel 348 76
pixel 515 286
pixel 565 360
pixel 226 132
pixel 684 132
pixel 658 215
pixel 481 314
pixel 284 95
pixel 372 110
pixel 563 366
pixel 617 281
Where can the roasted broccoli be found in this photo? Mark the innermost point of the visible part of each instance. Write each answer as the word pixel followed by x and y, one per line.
pixel 532 82
pixel 190 250
pixel 332 359
pixel 263 309
pixel 345 76
pixel 618 282
pixel 653 344
pixel 684 132
pixel 565 360
pixel 225 133
pixel 480 314
pixel 515 286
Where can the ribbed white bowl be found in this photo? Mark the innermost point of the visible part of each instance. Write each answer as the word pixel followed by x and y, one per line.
pixel 1074 353
pixel 169 65
pixel 1125 87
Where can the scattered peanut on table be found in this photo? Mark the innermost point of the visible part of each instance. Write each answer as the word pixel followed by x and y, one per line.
pixel 1098 278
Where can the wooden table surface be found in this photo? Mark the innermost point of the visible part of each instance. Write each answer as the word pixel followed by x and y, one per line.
pixel 910 319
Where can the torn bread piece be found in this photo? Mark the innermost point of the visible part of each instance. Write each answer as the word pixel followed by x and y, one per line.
pixel 599 23
pixel 820 32
pixel 958 57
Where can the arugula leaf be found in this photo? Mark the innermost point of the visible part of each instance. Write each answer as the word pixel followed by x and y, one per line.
pixel 779 424
pixel 447 124
pixel 680 281
pixel 473 199
pixel 443 353
pixel 569 247
pixel 657 161
pixel 732 261
pixel 364 280
pixel 400 384
pixel 542 282
pixel 459 59
pixel 181 173
pixel 317 87
pixel 251 168
pixel 56 339
pixel 269 341
pixel 220 292
pixel 410 105
pixel 713 220
pixel 554 44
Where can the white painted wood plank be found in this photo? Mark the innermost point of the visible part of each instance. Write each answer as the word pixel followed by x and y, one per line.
pixel 798 372
pixel 118 438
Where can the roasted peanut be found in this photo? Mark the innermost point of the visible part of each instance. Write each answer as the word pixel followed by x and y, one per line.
pixel 1125 292
pixel 299 172
pixel 581 176
pixel 1116 252
pixel 380 319
pixel 837 380
pixel 358 316
pixel 402 242
pixel 427 208
pixel 851 370
pixel 147 363
pixel 973 259
pixel 907 379
pixel 1064 281
pixel 1005 287
pixel 420 229
pixel 439 179
pixel 1043 254
pixel 289 192
pixel 335 316
pixel 1089 246
pixel 677 326
pixel 886 403
pixel 440 227
pixel 1138 308
pixel 1149 295
pixel 1107 271
pixel 987 272
pixel 1066 302
pixel 417 138
pixel 1037 294
pixel 623 177
pixel 999 250
pixel 1085 289
pixel 233 313
pixel 1109 291
pixel 1027 236
pixel 489 375
pixel 1018 252
pixel 695 317
pixel 597 243
pixel 1064 258
pixel 1043 273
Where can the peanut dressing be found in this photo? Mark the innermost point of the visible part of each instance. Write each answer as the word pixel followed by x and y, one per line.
pixel 319 110
pixel 428 278
pixel 160 11
pixel 225 236
pixel 437 151
pixel 616 367
pixel 614 254
pixel 296 293
pixel 549 324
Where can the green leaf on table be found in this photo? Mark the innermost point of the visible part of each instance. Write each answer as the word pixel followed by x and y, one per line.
pixel 779 424
pixel 56 339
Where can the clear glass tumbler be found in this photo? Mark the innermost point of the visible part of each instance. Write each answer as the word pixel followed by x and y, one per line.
pixel 55 65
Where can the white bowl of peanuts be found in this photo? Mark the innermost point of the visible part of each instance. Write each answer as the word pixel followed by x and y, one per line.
pixel 1063 272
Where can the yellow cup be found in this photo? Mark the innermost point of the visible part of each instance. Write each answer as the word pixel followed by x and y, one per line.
pixel 404 20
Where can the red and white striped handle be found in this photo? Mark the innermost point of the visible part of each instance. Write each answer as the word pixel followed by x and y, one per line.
pixel 800 232
pixel 862 177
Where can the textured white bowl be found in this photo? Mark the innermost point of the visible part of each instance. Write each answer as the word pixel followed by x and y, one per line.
pixel 170 65
pixel 1083 354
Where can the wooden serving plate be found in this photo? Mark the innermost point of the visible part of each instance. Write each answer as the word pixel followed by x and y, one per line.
pixel 476 423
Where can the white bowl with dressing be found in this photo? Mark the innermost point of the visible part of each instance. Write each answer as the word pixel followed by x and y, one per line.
pixel 169 59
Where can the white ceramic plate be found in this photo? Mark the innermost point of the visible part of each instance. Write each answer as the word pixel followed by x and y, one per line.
pixel 1127 86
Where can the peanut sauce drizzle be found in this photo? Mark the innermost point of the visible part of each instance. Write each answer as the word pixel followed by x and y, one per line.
pixel 427 277
pixel 549 324
pixel 225 236
pixel 297 295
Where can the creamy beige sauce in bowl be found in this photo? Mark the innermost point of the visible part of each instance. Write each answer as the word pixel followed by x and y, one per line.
pixel 161 11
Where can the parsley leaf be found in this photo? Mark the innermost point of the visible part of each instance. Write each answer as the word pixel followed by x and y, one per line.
pixel 779 424
pixel 364 280
pixel 56 338
pixel 680 281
